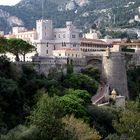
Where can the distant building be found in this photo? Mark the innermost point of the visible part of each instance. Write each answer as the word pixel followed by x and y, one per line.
pixel 62 42
pixel 68 52
pixel 92 34
pixel 92 45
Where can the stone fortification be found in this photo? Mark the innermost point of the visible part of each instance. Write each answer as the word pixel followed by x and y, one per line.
pixel 114 73
pixel 46 65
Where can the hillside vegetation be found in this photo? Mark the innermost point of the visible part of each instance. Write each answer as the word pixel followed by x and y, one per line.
pixel 102 12
pixel 57 107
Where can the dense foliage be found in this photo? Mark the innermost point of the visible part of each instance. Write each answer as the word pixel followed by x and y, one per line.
pixel 57 107
pixel 21 88
pixel 134 83
pixel 128 124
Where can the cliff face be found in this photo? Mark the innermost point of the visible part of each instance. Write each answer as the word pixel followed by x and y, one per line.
pixel 114 73
pixel 7 21
pixel 83 13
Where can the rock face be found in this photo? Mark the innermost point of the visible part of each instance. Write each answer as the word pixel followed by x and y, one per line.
pixel 84 13
pixel 15 21
pixel 7 21
pixel 71 5
pixel 82 2
pixel 114 73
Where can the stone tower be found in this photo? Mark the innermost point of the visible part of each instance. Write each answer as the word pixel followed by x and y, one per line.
pixel 114 73
pixel 44 29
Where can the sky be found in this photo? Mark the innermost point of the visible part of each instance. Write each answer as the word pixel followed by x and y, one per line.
pixel 9 2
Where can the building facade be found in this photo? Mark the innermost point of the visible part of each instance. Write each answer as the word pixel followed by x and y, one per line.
pixel 46 38
pixel 92 45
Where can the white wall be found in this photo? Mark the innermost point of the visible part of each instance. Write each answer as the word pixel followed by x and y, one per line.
pixel 45 48
pixel 44 29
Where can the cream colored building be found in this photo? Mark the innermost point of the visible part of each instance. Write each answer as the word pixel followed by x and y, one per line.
pixel 92 45
pixel 68 52
pixel 91 35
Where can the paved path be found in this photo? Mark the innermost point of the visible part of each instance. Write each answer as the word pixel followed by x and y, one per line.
pixel 100 93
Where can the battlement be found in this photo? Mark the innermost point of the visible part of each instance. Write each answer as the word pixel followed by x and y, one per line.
pixel 42 20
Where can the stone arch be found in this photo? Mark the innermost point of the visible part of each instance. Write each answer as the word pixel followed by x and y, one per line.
pixel 95 62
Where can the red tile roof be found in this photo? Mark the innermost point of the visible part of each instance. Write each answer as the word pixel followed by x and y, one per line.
pixel 93 41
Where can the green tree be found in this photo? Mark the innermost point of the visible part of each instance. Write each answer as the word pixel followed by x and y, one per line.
pixel 128 124
pixel 21 132
pixel 25 48
pixel 47 118
pixel 19 46
pixel 78 130
pixel 102 118
pixel 69 66
pixel 5 68
pixel 83 94
pixel 14 47
pixel 8 69
pixel 3 45
pixel 3 126
pixel 133 76
pixel 72 104
pixel 92 72
pixel 81 81
pixel 10 102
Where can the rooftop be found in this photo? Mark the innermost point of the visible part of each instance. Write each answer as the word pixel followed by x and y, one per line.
pixel 93 41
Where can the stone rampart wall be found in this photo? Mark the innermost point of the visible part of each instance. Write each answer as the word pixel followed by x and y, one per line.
pixel 114 73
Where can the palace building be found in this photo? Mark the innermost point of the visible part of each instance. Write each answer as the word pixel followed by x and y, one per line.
pixel 58 42
pixel 46 38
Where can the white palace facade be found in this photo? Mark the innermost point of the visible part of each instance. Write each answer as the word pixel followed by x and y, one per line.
pixel 63 42
pixel 53 42
pixel 49 41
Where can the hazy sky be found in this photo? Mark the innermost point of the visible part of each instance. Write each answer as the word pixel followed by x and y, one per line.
pixel 9 2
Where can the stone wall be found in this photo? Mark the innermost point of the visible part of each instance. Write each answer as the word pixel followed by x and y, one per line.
pixel 113 69
pixel 114 73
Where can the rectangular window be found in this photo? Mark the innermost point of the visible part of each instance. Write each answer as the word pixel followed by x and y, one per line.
pixel 73 36
pixel 63 44
pixel 47 44
pixel 74 45
pixel 80 35
pixel 46 51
